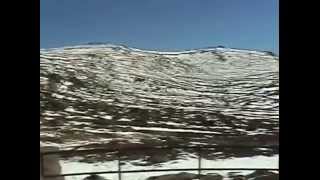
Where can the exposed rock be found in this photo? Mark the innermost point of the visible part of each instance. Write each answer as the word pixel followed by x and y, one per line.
pixel 211 177
pixel 263 175
pixel 94 177
pixel 239 177
pixel 179 176
pixel 267 177
pixel 187 176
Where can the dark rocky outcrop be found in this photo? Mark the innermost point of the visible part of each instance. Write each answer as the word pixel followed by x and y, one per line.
pixel 263 175
pixel 186 176
pixel 239 177
pixel 210 177
pixel 179 176
pixel 94 177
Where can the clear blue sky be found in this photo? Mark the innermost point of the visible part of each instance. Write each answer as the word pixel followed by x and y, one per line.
pixel 161 24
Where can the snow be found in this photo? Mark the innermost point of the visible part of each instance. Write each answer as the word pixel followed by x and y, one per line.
pixel 107 117
pixel 171 130
pixel 182 91
pixel 187 162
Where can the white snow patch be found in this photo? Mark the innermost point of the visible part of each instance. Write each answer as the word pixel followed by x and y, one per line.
pixel 171 130
pixel 108 117
pixel 124 120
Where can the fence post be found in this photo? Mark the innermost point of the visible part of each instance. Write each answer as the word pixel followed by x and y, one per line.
pixel 199 161
pixel 41 166
pixel 119 165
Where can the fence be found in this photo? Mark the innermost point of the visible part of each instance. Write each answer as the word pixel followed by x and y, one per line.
pixel 119 151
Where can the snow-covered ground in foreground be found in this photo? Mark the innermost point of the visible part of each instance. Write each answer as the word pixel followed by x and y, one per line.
pixel 246 162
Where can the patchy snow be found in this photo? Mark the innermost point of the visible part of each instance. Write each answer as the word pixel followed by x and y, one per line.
pixel 188 162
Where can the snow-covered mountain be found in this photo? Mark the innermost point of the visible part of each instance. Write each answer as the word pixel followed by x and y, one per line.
pixel 103 94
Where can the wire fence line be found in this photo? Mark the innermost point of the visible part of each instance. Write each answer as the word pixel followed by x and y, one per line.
pixel 119 152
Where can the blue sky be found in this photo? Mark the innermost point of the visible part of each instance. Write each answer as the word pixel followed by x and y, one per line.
pixel 161 24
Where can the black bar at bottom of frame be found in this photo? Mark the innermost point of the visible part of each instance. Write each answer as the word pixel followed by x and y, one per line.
pixel 161 170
